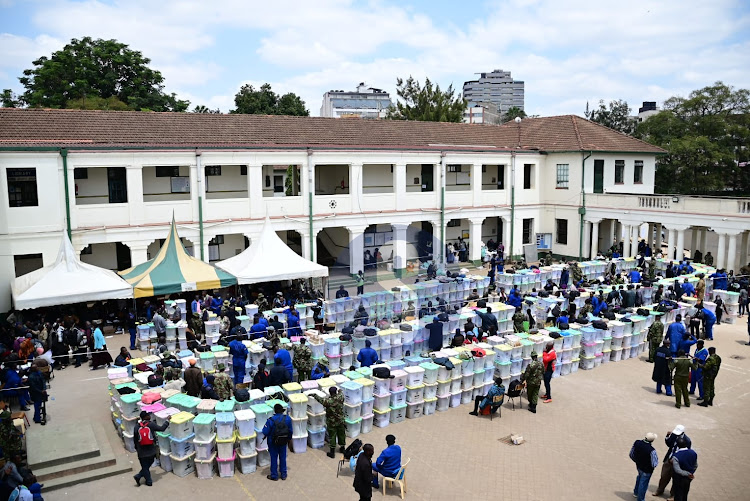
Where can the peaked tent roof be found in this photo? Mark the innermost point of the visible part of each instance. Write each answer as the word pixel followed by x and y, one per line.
pixel 269 259
pixel 174 270
pixel 67 281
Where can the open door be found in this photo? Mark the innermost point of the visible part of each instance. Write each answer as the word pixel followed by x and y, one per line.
pixel 598 176
pixel 427 175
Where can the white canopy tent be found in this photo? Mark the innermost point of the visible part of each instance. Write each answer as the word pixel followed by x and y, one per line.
pixel 269 259
pixel 67 281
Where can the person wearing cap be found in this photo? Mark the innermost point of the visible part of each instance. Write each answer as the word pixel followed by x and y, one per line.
pixel 262 303
pixel 223 384
pixel 667 470
pixel 278 439
pixel 389 461
pixel 684 465
pixel 193 379
pixel 646 460
pixel 696 372
pixel 146 452
pixel 654 337
pixel 710 370
pixel 532 376
pixel 482 401
pixel 334 406
pixel 278 301
pixel 320 370
pixel 368 356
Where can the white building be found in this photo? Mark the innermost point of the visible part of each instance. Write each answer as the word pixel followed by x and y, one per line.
pixel 353 185
pixel 481 113
pixel 365 102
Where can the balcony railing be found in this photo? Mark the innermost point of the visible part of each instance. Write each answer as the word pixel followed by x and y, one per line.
pixel 670 203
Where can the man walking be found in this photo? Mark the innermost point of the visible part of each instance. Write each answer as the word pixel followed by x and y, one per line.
pixel 223 384
pixel 666 469
pixel 334 406
pixel 193 377
pixel 684 464
pixel 302 360
pixel 696 372
pixel 646 460
pixel 144 438
pixel 278 431
pixel 655 337
pixel 363 473
pixel 681 366
pixel 533 378
pixel 710 371
pixel 548 360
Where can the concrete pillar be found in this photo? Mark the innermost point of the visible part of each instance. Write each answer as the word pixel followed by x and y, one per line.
pixel 196 248
pixel 399 245
pixel 650 235
pixel 506 237
pixel 475 236
pixel 307 251
pixel 438 245
pixel 134 182
pixel 399 184
pixel 594 238
pixel 255 190
pixel 476 184
pixel 138 252
pixel 743 249
pixel 680 244
pixel 197 189
pixel 703 241
pixel 634 240
pixel 670 244
pixel 721 253
pixel 356 249
pixel 732 253
pixel 657 240
pixel 626 241
pixel 693 242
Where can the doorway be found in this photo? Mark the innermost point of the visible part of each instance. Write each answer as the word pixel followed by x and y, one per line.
pixel 427 173
pixel 118 188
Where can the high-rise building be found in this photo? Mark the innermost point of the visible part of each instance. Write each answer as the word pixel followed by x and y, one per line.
pixel 365 102
pixel 497 87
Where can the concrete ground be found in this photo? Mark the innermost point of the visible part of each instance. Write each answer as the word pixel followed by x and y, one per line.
pixel 576 447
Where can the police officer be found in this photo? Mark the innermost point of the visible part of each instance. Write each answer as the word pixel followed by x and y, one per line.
pixel 532 376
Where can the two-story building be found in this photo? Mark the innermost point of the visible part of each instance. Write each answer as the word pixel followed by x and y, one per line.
pixel 334 189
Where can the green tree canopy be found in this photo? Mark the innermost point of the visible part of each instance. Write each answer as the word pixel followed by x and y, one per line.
pixel 615 115
pixel 97 71
pixel 426 104
pixel 265 101
pixel 512 113
pixel 707 136
pixel 199 108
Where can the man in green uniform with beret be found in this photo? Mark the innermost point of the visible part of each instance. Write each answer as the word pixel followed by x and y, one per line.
pixel 532 376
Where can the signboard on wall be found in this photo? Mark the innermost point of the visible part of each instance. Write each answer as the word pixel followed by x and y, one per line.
pixel 544 241
pixel 180 184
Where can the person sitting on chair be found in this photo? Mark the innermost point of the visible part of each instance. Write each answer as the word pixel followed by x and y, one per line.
pixel 389 461
pixel 482 401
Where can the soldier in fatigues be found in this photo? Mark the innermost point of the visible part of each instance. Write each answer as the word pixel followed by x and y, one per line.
pixel 303 360
pixel 710 370
pixel 681 367
pixel 334 406
pixel 533 378
pixel 547 259
pixel 262 303
pixel 518 319
pixel 223 385
pixel 654 337
pixel 577 274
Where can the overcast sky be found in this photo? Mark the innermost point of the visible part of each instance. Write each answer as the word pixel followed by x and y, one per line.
pixel 567 51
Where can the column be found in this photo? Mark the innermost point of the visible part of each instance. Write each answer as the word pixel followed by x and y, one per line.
pixel 743 249
pixel 732 253
pixel 658 241
pixel 693 243
pixel 618 232
pixel 356 249
pixel 399 247
pixel 722 251
pixel 355 184
pixel 670 244
pixel 626 241
pixel 438 245
pixel 634 240
pixel 475 237
pixel 506 237
pixel 307 251
pixel 650 235
pixel 255 191
pixel 196 248
pixel 138 252
pixel 476 184
pixel 197 189
pixel 134 182
pixel 703 240
pixel 399 184
pixel 680 244
pixel 594 238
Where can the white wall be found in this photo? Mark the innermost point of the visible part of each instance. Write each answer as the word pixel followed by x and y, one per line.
pixel 95 189
pixel 377 178
pixel 102 255
pixel 159 189
pixel 328 179
pixel 231 184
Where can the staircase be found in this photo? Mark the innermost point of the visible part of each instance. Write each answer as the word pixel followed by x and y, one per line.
pixel 65 455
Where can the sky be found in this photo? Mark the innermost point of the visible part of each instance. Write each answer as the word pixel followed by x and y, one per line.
pixel 568 52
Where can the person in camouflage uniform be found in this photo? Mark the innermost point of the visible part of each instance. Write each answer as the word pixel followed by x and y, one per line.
pixel 223 385
pixel 303 360
pixel 518 319
pixel 172 373
pixel 654 337
pixel 262 303
pixel 547 259
pixel 532 376
pixel 334 406
pixel 710 370
pixel 587 308
pixel 576 273
pixel 708 259
pixel 700 288
pixel 196 325
pixel 10 438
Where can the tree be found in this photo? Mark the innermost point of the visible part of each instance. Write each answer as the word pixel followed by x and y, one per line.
pixel 87 70
pixel 265 101
pixel 10 99
pixel 97 103
pixel 616 116
pixel 707 136
pixel 512 113
pixel 199 108
pixel 427 104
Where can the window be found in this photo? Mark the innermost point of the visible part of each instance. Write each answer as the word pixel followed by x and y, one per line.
pixel 528 227
pixel 80 173
pixel 619 171
pixel 26 263
pixel 167 171
pixel 243 170
pixel 22 187
pixel 562 176
pixel 528 176
pixel 217 240
pixel 213 170
pixel 638 172
pixel 561 235
pixel 453 223
pixel 454 168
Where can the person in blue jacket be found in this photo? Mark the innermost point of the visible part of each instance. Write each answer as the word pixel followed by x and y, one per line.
pixel 720 279
pixel 688 289
pixel 686 343
pixel 239 356
pixel 368 356
pixel 277 450
pixel 435 339
pixel 564 278
pixel 696 373
pixel 292 319
pixel 286 359
pixel 634 276
pixel 676 333
pixel 514 299
pixel 320 370
pixel 389 461
pixel 709 319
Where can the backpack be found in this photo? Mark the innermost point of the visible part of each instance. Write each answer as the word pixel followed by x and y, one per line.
pixel 599 324
pixel 563 326
pixel 515 388
pixel 241 395
pixel 353 449
pixel 83 341
pixel 281 432
pixel 642 312
pixel 381 372
pixel 15 494
pixel 145 437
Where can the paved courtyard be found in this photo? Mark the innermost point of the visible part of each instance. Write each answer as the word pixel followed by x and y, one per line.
pixel 577 446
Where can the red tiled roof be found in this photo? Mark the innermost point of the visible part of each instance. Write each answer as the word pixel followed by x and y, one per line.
pixel 83 128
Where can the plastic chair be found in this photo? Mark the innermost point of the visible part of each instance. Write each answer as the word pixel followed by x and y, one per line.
pixel 496 406
pixel 343 461
pixel 399 479
pixel 515 392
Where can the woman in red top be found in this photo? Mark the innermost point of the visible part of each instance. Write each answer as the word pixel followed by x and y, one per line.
pixel 548 360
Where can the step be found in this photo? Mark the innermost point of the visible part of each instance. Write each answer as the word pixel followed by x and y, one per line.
pixel 122 465
pixel 105 458
pixel 58 444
